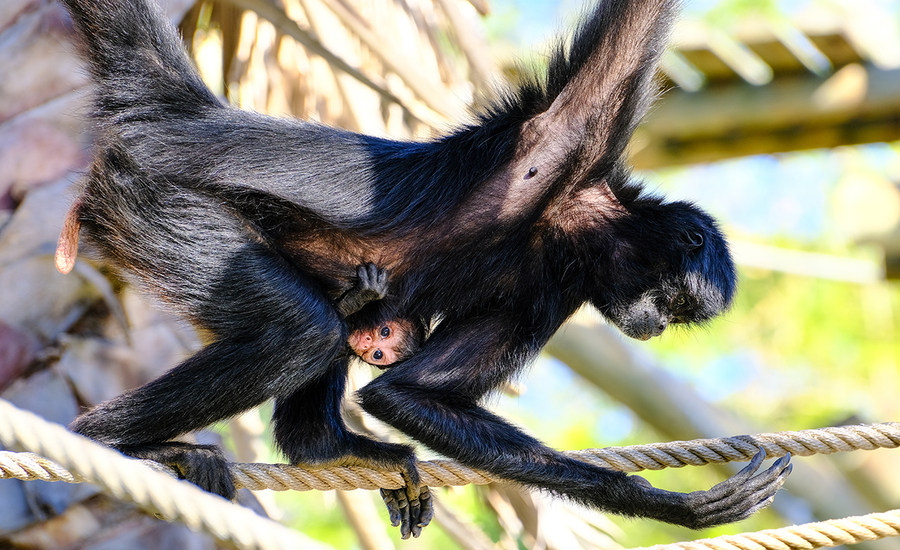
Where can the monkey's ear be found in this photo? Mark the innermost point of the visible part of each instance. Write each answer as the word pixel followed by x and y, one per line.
pixel 692 239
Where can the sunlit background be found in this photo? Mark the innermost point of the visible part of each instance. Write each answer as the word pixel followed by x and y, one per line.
pixel 782 118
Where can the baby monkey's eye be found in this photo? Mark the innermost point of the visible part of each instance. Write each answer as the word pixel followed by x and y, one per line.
pixel 378 355
pixel 385 332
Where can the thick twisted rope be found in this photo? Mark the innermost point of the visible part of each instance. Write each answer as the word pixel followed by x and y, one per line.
pixel 443 473
pixel 699 452
pixel 81 459
pixel 835 532
pixel 439 473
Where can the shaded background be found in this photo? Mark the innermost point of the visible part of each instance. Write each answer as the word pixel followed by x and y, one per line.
pixel 780 117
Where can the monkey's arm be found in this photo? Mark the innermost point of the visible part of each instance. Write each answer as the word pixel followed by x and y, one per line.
pixel 434 398
pixel 372 285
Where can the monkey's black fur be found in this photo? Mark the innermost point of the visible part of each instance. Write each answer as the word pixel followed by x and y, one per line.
pixel 253 226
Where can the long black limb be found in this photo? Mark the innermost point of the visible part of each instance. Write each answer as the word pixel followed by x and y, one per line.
pixel 309 429
pixel 273 330
pixel 434 396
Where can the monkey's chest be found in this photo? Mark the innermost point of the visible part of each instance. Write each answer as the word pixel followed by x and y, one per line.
pixel 331 258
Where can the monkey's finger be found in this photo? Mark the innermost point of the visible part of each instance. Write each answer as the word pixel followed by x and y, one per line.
pixel 398 508
pixel 372 272
pixel 747 501
pixel 415 511
pixel 742 497
pixel 363 273
pixel 378 280
pixel 766 494
pixel 727 487
pixel 390 500
pixel 754 464
pixel 405 524
pixel 742 484
pixel 775 471
pixel 427 503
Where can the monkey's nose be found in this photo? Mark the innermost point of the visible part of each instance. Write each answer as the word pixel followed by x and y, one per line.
pixel 360 343
pixel 365 343
pixel 653 330
pixel 649 327
pixel 661 326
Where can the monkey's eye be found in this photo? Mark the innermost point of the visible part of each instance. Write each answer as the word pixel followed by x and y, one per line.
pixel 681 304
pixel 385 332
pixel 378 355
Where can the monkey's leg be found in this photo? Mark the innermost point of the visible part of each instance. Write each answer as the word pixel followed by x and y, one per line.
pixel 275 333
pixel 309 429
pixel 221 381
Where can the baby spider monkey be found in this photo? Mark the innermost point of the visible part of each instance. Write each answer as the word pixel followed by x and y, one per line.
pixel 377 335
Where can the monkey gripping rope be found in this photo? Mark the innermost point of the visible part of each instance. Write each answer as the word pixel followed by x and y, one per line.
pixel 78 459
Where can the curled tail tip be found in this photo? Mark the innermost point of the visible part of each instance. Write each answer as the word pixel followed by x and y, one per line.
pixel 67 248
pixel 64 261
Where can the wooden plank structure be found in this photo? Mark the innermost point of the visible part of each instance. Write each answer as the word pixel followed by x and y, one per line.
pixel 774 86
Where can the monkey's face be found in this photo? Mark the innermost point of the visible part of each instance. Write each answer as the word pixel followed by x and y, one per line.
pixel 674 269
pixel 688 299
pixel 379 345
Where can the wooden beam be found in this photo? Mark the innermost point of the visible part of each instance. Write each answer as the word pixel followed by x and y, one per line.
pixel 855 105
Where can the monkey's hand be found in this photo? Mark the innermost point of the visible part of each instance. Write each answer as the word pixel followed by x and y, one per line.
pixel 734 499
pixel 409 507
pixel 372 285
pixel 373 280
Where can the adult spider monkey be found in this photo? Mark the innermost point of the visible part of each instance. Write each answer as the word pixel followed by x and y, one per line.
pixel 252 226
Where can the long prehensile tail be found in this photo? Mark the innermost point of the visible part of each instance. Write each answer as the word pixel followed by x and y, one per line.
pixel 138 62
pixel 141 73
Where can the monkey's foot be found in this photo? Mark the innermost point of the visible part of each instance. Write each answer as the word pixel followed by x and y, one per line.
pixel 411 506
pixel 736 498
pixel 202 465
pixel 410 513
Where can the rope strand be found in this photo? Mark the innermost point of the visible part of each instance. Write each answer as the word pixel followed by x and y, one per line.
pixel 80 460
pixel 836 532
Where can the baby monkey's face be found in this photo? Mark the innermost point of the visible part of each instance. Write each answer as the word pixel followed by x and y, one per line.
pixel 379 346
